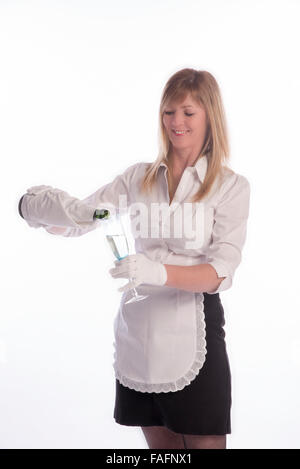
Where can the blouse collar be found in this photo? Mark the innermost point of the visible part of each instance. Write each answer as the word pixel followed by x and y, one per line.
pixel 200 167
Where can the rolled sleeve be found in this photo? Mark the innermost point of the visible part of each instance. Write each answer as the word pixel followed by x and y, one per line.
pixel 229 230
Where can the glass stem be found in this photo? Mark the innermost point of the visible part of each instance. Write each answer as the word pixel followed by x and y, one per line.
pixel 134 290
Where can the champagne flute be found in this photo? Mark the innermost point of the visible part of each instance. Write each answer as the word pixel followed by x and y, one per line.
pixel 117 240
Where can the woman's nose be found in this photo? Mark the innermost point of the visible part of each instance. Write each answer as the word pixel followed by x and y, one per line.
pixel 176 122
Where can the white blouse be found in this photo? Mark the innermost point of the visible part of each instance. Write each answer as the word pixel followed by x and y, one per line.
pixel 160 342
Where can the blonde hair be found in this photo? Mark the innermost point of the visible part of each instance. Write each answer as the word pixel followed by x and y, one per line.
pixel 204 89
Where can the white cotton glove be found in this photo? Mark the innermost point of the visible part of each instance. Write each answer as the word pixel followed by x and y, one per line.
pixel 45 205
pixel 34 190
pixel 139 269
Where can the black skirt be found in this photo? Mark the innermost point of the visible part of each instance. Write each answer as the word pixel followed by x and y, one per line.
pixel 200 408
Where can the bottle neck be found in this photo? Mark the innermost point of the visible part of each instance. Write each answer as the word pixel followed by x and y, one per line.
pixel 100 214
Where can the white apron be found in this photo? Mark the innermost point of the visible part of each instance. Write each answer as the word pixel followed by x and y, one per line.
pixel 160 342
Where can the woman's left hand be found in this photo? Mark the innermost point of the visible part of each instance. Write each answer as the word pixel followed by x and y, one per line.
pixel 139 269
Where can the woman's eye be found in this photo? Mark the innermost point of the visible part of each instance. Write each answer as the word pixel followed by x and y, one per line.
pixel 171 112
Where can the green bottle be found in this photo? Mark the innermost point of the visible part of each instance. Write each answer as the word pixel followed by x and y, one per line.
pixel 100 214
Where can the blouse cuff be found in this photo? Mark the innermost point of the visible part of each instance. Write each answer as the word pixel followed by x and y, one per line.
pixel 222 271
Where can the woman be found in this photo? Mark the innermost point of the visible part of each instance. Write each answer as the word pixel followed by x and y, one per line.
pixel 171 366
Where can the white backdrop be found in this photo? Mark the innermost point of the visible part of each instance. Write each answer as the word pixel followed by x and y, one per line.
pixel 80 86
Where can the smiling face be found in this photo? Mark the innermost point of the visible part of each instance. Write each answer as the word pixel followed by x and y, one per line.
pixel 188 118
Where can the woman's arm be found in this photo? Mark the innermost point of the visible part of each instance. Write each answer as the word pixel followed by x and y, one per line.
pixel 224 253
pixel 194 278
pixel 107 197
